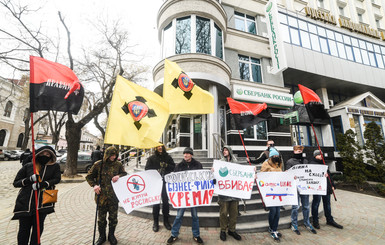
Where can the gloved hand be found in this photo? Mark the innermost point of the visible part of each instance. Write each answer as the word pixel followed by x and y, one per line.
pixel 39 185
pixel 33 177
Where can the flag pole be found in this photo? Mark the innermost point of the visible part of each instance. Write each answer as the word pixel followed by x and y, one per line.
pixel 34 171
pixel 248 159
pixel 323 160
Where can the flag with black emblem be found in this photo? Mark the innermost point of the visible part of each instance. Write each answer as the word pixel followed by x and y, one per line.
pixel 183 95
pixel 247 114
pixel 54 86
pixel 137 116
pixel 315 109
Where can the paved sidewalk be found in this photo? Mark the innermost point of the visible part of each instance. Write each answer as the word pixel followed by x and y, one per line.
pixel 72 223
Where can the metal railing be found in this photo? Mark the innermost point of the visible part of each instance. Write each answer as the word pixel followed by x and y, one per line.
pixel 218 145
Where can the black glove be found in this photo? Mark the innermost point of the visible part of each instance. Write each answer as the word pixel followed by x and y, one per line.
pixel 214 181
pixel 39 185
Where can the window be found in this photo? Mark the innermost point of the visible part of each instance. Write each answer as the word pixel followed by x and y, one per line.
pixel 341 10
pixel 337 129
pixel 250 69
pixel 256 132
pixel 321 4
pixel 203 37
pixel 244 22
pixel 3 133
pixel 8 109
pixel 168 41
pixel 376 120
pixel 357 127
pixel 378 24
pixel 183 35
pixel 218 42
pixel 20 140
pixel 304 135
pixel 360 19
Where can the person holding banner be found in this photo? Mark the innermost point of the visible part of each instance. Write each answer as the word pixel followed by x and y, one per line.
pixel 228 206
pixel 164 164
pixel 273 164
pixel 304 199
pixel 48 175
pixel 188 163
pixel 325 199
pixel 99 177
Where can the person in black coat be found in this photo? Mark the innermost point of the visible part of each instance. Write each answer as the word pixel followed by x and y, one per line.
pixel 164 164
pixel 96 155
pixel 325 199
pixel 24 157
pixel 48 175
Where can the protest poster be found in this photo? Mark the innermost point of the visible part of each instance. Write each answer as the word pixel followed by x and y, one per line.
pixel 310 179
pixel 188 189
pixel 277 188
pixel 138 190
pixel 233 179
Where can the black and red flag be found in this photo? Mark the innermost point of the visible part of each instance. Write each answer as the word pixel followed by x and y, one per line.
pixel 315 108
pixel 247 114
pixel 54 86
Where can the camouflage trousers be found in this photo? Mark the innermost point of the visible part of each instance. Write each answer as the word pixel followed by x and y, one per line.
pixel 112 210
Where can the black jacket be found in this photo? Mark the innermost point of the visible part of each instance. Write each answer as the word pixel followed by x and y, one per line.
pixel 25 201
pixel 294 161
pixel 96 155
pixel 193 165
pixel 329 186
pixel 163 163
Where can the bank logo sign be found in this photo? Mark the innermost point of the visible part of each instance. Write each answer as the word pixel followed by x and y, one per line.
pixel 276 44
pixel 271 97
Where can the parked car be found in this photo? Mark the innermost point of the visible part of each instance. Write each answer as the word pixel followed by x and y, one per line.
pixel 2 156
pixel 84 162
pixel 61 152
pixel 10 155
pixel 17 153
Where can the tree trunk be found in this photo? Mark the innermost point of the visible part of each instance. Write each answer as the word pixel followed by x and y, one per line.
pixel 27 129
pixel 73 133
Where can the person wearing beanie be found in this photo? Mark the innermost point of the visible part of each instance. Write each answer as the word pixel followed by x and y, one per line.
pixel 99 177
pixel 304 199
pixel 325 199
pixel 188 163
pixel 273 164
pixel 164 164
pixel 46 177
pixel 228 206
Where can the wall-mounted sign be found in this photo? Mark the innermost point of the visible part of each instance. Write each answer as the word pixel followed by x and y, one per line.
pixel 278 56
pixel 320 15
pixel 247 93
pixel 365 112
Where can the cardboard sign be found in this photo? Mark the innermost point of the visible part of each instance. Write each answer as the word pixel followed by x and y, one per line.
pixel 277 188
pixel 233 180
pixel 311 178
pixel 139 190
pixel 190 188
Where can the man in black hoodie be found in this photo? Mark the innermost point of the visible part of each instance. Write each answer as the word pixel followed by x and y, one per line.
pixel 325 199
pixel 164 164
pixel 188 163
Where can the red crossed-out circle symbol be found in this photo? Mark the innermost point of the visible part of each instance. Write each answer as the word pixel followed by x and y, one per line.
pixel 136 184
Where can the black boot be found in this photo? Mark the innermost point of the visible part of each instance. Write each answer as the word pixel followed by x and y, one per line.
pixel 111 236
pixel 166 223
pixel 155 227
pixel 102 236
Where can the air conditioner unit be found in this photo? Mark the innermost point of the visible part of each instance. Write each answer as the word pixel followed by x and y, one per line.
pixel 331 103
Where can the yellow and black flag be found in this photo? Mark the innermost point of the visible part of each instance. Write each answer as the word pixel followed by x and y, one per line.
pixel 183 95
pixel 137 116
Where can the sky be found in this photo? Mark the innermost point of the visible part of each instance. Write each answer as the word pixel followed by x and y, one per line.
pixel 137 17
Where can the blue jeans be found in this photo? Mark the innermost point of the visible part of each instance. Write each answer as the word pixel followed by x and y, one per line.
pixel 274 217
pixel 305 210
pixel 327 208
pixel 178 222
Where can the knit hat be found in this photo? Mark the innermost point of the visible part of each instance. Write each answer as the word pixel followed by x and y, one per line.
pixel 188 150
pixel 316 153
pixel 273 152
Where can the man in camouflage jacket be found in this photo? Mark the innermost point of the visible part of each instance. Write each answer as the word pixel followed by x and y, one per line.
pixel 103 172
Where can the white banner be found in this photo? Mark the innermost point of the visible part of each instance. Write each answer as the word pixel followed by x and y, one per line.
pixel 233 180
pixel 277 188
pixel 191 188
pixel 310 178
pixel 139 190
pixel 278 56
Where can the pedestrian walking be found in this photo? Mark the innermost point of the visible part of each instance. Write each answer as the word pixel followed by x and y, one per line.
pixel 99 177
pixel 96 155
pixel 273 164
pixel 228 206
pixel 46 177
pixel 304 199
pixel 24 156
pixel 325 198
pixel 164 164
pixel 188 163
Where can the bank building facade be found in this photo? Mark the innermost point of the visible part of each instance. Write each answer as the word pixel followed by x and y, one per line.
pixel 334 47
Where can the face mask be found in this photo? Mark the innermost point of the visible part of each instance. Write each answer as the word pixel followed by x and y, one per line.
pixel 298 155
pixel 271 145
pixel 275 159
pixel 43 159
